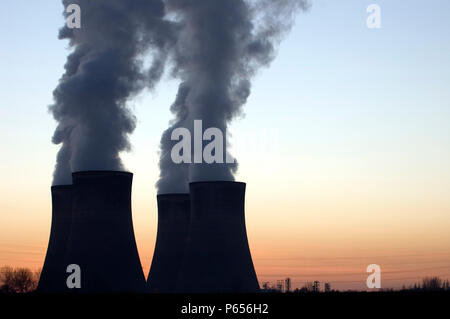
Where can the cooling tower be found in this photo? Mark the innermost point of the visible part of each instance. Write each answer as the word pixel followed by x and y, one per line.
pixel 102 239
pixel 217 256
pixel 173 223
pixel 53 275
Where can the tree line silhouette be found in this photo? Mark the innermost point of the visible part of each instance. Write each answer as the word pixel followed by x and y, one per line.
pixel 432 283
pixel 23 280
pixel 18 280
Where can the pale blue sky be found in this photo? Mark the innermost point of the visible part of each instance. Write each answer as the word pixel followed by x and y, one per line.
pixel 335 83
pixel 349 103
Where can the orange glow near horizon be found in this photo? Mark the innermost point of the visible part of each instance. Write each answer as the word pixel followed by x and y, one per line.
pixel 304 239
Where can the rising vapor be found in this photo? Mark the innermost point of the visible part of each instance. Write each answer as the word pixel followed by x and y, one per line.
pixel 105 69
pixel 219 48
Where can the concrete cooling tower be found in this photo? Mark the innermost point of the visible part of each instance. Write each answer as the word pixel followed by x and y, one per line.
pixel 217 256
pixel 53 275
pixel 173 223
pixel 102 239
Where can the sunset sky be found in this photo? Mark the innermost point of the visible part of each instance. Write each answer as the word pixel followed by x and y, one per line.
pixel 344 146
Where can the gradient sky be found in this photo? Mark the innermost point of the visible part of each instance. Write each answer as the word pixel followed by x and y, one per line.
pixel 358 168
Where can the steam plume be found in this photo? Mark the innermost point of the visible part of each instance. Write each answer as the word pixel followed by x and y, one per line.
pixel 104 70
pixel 220 47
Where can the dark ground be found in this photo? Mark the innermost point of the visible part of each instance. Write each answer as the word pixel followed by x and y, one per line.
pixel 344 304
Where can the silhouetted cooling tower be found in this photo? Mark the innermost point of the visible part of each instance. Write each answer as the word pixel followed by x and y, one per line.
pixel 217 257
pixel 173 223
pixel 102 239
pixel 53 275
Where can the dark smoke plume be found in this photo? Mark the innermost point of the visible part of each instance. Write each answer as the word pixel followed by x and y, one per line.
pixel 220 47
pixel 105 69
